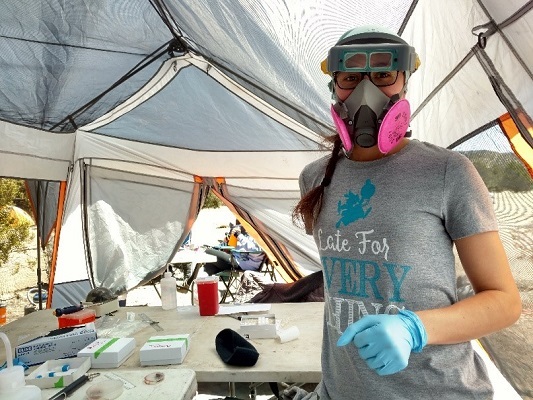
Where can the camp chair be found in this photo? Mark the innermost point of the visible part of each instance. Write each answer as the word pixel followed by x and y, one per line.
pixel 232 278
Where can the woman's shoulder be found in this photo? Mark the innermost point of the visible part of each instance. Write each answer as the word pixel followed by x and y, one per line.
pixel 316 167
pixel 313 173
pixel 435 152
pixel 452 164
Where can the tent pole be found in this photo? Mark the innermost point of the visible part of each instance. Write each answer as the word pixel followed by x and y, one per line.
pixel 38 223
pixel 57 230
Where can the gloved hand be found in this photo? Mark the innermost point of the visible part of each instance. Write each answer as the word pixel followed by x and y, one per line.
pixel 385 341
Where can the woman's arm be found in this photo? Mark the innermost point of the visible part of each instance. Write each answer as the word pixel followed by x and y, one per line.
pixel 496 303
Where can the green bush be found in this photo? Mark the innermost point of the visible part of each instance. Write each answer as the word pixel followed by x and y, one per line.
pixel 212 201
pixel 13 233
pixel 501 171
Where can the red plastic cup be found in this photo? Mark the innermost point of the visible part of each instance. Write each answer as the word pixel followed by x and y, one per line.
pixel 208 295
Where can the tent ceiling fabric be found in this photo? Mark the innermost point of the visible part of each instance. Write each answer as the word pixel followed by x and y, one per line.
pixel 62 55
pixel 280 44
pixel 261 167
pixel 34 153
pixel 197 121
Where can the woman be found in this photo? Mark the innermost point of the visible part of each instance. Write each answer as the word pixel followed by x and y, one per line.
pixel 385 212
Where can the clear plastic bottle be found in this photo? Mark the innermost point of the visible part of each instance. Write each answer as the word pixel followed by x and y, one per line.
pixel 169 298
pixel 12 383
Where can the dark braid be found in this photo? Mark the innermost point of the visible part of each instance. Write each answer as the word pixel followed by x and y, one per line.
pixel 309 206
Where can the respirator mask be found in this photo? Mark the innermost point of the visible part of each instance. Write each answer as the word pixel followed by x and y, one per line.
pixel 368 117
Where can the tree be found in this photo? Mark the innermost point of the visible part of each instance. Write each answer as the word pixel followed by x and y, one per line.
pixel 212 201
pixel 13 232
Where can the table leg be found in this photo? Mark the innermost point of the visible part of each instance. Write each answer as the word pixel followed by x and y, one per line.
pixel 190 282
pixel 195 267
pixel 231 386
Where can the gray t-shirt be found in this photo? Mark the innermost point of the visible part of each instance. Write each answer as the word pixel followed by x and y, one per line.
pixel 385 236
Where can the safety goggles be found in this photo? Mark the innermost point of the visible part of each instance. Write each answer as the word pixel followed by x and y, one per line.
pixel 349 80
pixel 372 58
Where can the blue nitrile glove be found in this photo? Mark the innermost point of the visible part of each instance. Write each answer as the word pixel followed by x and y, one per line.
pixel 385 341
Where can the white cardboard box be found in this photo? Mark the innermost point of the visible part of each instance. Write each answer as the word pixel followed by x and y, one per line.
pixel 261 326
pixel 77 367
pixel 165 350
pixel 60 343
pixel 102 308
pixel 108 352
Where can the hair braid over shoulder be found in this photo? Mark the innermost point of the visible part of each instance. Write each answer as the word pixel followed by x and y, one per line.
pixel 309 206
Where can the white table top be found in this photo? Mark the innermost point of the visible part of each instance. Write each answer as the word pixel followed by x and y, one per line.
pixel 184 256
pixel 295 361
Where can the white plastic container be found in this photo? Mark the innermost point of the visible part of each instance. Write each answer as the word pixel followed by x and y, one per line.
pixel 169 298
pixel 12 383
pixel 262 326
pixel 77 366
pixel 286 335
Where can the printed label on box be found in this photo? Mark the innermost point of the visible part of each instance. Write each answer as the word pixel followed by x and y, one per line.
pixel 55 345
pixel 109 352
pixel 165 350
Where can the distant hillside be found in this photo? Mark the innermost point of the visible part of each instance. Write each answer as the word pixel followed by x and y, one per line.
pixel 500 171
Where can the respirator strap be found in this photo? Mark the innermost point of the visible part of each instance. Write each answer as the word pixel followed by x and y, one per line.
pixel 347 143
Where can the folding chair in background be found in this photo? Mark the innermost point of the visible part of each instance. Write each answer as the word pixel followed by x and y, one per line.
pixel 232 278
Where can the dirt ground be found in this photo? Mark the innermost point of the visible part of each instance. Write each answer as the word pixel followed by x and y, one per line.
pixel 17 276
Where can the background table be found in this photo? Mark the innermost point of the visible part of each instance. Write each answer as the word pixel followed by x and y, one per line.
pixel 181 261
pixel 185 256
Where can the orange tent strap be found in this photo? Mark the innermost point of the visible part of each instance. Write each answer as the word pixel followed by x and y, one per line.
pixel 60 205
pixel 520 147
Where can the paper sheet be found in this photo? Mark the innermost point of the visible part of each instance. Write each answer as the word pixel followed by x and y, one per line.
pixel 225 309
